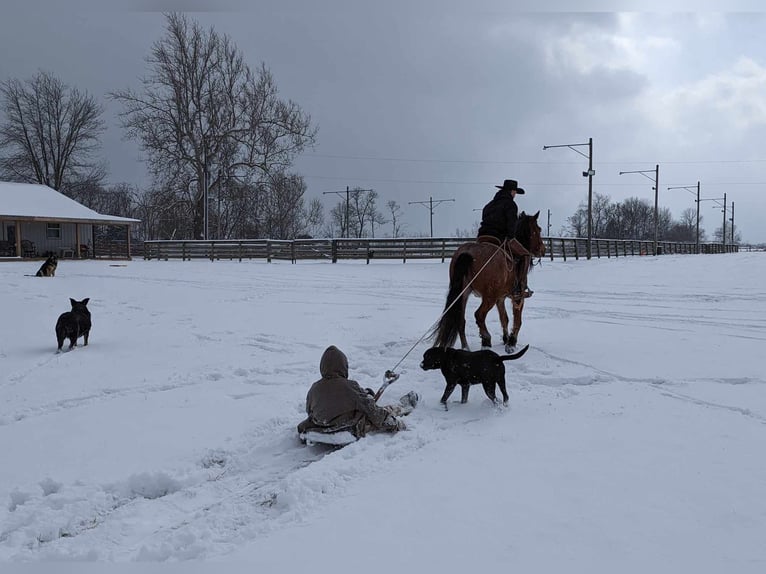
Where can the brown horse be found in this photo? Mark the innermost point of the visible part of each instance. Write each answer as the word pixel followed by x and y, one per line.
pixel 488 272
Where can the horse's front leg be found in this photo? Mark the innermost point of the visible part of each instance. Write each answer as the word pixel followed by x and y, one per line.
pixel 518 308
pixel 481 316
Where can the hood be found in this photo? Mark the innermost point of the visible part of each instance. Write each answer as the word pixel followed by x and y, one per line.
pixel 333 363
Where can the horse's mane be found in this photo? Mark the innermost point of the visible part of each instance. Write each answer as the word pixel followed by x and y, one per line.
pixel 523 232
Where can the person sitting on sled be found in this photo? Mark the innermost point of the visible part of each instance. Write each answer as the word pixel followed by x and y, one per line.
pixel 336 403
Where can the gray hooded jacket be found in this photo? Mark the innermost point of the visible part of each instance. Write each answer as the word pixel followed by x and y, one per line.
pixel 336 403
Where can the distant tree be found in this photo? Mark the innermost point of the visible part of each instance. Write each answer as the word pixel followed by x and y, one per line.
pixel 600 207
pixel 361 210
pixel 577 223
pixel 49 134
pixel 204 117
pixel 375 217
pixel 718 235
pixel 396 214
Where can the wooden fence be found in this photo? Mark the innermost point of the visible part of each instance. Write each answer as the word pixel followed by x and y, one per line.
pixel 404 249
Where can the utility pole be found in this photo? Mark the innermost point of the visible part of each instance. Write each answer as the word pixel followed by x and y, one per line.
pixel 656 188
pixel 723 228
pixel 549 223
pixel 348 194
pixel 697 201
pixel 204 194
pixel 589 174
pixel 732 223
pixel 430 204
pixel 718 201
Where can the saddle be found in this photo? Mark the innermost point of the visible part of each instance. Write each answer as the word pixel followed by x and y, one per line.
pixel 511 247
pixel 515 253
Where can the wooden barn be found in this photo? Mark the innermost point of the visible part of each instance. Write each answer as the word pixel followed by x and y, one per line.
pixel 36 221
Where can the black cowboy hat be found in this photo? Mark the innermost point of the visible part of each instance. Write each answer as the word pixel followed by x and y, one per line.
pixel 511 185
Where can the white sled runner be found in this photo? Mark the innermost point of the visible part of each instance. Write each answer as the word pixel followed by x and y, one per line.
pixel 340 438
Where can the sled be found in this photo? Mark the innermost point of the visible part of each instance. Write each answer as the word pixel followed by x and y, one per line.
pixel 338 438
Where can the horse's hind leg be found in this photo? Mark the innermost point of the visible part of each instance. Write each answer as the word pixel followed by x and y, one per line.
pixel 481 316
pixel 503 318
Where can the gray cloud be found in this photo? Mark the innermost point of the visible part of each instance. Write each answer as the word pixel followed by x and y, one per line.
pixel 443 99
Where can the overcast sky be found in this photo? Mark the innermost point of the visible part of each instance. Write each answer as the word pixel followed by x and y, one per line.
pixel 445 99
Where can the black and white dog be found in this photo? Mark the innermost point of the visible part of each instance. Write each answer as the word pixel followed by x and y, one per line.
pixel 466 368
pixel 74 324
pixel 48 268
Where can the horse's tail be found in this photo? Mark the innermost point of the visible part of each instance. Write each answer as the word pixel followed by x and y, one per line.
pixel 448 327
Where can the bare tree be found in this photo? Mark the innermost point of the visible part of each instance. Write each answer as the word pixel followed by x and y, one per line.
pixel 50 134
pixel 281 210
pixel 396 213
pixel 718 236
pixel 578 222
pixel 362 208
pixel 204 117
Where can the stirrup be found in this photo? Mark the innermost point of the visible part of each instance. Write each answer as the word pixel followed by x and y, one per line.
pixel 528 292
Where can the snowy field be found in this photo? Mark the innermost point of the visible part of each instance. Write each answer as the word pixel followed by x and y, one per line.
pixel 633 441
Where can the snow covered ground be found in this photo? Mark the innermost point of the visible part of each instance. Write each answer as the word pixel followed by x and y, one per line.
pixel 634 439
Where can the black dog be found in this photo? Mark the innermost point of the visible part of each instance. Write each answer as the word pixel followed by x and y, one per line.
pixel 74 324
pixel 466 368
pixel 48 269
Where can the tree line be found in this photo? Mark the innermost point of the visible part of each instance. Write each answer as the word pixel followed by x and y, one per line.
pixel 634 218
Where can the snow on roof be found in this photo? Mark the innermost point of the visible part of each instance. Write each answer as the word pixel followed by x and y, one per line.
pixel 34 201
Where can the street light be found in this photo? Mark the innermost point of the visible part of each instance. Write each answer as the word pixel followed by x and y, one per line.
pixel 697 201
pixel 430 204
pixel 656 187
pixel 589 174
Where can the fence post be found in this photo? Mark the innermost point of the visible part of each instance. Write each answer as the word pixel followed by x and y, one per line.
pixel 268 251
pixel 444 247
pixel 577 254
pixel 564 248
pixel 550 247
pixel 368 251
pixel 334 250
pixel 212 251
pixel 404 251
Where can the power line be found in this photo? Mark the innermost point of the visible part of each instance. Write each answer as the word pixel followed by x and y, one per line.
pixel 520 162
pixel 486 183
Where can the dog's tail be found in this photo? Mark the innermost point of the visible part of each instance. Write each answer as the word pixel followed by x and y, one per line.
pixel 447 329
pixel 516 355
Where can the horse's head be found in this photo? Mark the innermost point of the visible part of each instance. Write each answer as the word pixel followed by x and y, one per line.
pixel 529 234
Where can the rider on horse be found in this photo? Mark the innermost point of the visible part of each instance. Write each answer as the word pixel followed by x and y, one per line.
pixel 498 221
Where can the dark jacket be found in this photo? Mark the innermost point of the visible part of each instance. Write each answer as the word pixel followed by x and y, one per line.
pixel 336 403
pixel 499 216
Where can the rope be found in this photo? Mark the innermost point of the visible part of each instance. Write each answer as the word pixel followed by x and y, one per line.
pixel 391 372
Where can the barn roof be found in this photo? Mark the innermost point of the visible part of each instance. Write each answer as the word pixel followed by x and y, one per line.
pixel 35 202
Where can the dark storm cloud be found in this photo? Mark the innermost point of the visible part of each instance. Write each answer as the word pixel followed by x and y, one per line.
pixel 444 99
